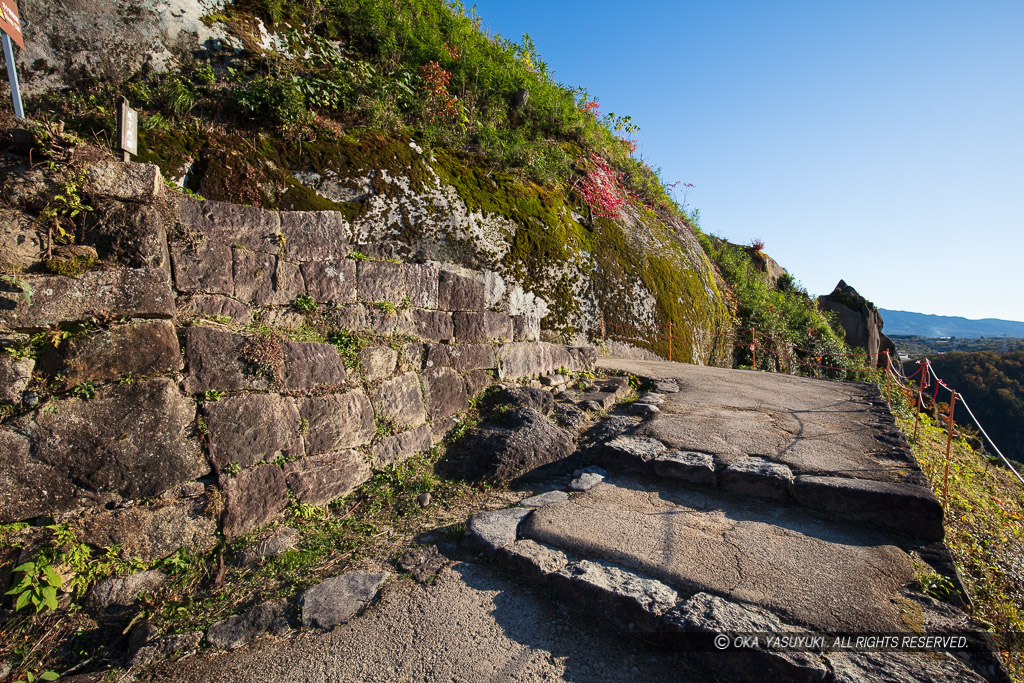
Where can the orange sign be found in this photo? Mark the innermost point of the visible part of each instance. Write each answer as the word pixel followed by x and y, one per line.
pixel 10 23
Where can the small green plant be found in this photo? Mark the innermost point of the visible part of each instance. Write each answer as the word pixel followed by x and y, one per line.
pixel 358 256
pixel 62 210
pixel 21 285
pixel 386 306
pixel 304 303
pixel 177 563
pixel 348 346
pixel 936 586
pixel 232 469
pixel 301 511
pixel 32 678
pixel 384 427
pixel 279 100
pixel 38 586
pixel 212 395
pixel 455 532
pixel 85 390
pixel 303 426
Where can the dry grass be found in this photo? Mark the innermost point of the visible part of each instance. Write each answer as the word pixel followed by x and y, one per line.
pixel 984 531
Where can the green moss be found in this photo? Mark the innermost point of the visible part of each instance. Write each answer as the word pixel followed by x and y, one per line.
pixel 70 267
pixel 298 197
pixel 173 151
pixel 684 293
pixel 545 237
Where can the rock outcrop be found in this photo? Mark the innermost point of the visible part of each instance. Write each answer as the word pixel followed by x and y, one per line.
pixel 544 252
pixel 860 320
pixel 68 42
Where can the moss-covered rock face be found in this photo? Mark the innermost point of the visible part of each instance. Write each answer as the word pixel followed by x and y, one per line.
pixel 637 269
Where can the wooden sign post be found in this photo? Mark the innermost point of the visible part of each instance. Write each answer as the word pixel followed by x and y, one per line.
pixel 128 130
pixel 10 30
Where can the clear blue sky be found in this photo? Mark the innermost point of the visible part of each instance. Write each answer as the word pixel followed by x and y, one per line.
pixel 881 142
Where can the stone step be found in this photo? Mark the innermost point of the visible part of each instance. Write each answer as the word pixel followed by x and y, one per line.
pixel 632 601
pixel 909 510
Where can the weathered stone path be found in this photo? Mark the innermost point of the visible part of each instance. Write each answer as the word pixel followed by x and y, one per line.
pixel 748 502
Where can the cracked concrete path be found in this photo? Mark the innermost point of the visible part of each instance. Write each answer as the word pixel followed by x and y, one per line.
pixel 472 624
pixel 831 576
pixel 812 426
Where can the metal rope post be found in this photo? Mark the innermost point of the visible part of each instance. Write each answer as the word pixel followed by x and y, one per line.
pixel 949 441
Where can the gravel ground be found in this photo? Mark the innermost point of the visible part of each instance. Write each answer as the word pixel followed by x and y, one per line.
pixel 474 623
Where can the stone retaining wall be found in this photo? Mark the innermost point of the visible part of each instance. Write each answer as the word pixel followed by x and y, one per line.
pixel 188 383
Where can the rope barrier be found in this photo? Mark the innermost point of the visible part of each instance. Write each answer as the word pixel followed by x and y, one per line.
pixel 893 370
pixel 963 402
pixel 838 355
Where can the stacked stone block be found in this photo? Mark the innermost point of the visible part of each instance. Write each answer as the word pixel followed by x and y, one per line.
pixel 207 399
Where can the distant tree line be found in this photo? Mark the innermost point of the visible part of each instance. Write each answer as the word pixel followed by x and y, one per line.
pixel 993 385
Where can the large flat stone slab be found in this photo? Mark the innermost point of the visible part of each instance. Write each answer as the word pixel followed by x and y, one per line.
pixel 215 361
pixel 400 400
pixel 232 224
pixel 337 421
pixel 141 348
pixel 458 293
pixel 832 576
pixel 814 427
pixel 205 267
pixel 319 479
pixel 252 428
pixel 252 499
pixel 131 441
pixel 308 365
pixel 331 282
pixel 152 532
pixel 314 235
pixel 54 299
pixel 401 446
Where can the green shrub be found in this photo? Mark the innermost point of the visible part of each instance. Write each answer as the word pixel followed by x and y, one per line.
pixel 270 98
pixel 793 334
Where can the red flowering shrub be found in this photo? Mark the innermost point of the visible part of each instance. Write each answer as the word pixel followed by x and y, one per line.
pixel 600 187
pixel 440 103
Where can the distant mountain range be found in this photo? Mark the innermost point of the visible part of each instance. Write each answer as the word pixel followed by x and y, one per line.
pixel 924 325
